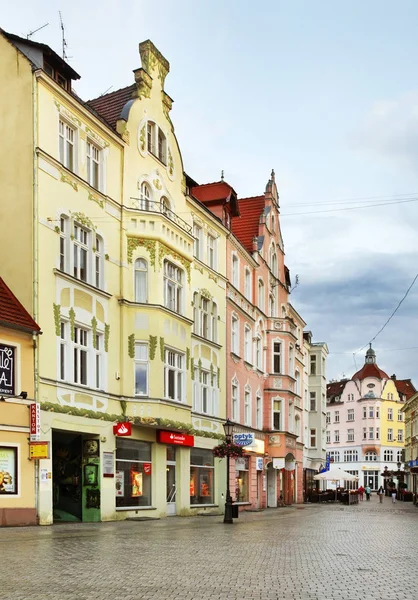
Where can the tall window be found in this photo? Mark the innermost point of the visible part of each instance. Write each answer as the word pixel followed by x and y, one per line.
pixel 400 435
pixel 63 350
pixel 235 334
pixel 202 470
pixel 259 353
pixel 247 283
pixel 211 251
pixel 247 344
pixel 80 355
pixel 235 270
pixel 81 248
pixel 313 364
pixel 141 369
pixel 133 463
pixel 370 456
pixel 388 455
pixel 364 433
pixel 145 200
pixel 156 142
pixel 350 435
pixel 371 412
pixel 277 415
pixel 259 411
pixel 334 455
pixel 93 165
pixel 247 406
pixel 336 436
pixel 98 359
pixel 312 399
pixel 197 234
pixel 82 253
pixel 350 455
pixel 328 418
pixel 328 437
pixel 364 412
pixel 390 414
pixel 350 414
pixel 371 433
pixel 312 438
pixel 63 243
pixel 377 412
pixel 141 276
pixel 205 392
pixel 390 435
pixel 67 145
pixel 173 375
pixel 337 416
pixel 261 293
pixel 235 401
pixel 274 263
pixel 173 287
pixel 297 383
pixel 151 137
pixel 277 357
pixel 162 147
pixel 377 433
pixel 204 317
pixel 272 302
pixel 98 262
pixel 400 456
pixel 400 415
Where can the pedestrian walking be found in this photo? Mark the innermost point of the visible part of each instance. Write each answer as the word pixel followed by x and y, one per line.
pixel 368 492
pixel 381 493
pixel 361 492
pixel 393 497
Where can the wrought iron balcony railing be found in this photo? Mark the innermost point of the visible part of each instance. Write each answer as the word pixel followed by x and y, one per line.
pixel 160 207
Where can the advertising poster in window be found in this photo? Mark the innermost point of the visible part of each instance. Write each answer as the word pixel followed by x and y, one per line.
pixel 8 470
pixel 120 483
pixel 136 484
pixel 7 370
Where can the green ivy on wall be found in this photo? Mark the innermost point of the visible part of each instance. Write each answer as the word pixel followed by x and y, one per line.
pixel 142 138
pixel 199 364
pixel 94 328
pixel 187 358
pixel 150 245
pixel 131 345
pixel 71 313
pixel 212 374
pixel 164 250
pixel 153 340
pixel 162 348
pixel 57 319
pixel 124 406
pixel 106 337
pixel 83 220
pixel 192 369
pixel 170 162
pixel 219 378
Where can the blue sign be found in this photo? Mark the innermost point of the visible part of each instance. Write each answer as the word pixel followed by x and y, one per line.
pixel 413 463
pixel 243 439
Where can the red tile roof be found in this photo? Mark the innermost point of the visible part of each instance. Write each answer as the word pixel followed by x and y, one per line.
pixel 406 387
pixel 12 313
pixel 370 370
pixel 335 388
pixel 109 106
pixel 245 227
pixel 211 192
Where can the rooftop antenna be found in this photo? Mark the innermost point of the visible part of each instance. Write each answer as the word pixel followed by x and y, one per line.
pixel 222 175
pixel 31 33
pixel 106 91
pixel 64 41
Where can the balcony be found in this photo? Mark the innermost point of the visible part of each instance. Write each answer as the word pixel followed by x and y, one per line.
pixel 149 206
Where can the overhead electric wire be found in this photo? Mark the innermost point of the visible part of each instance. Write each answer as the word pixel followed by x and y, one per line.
pixel 317 212
pixel 358 199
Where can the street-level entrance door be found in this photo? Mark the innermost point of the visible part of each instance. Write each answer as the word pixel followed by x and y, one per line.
pixel 171 481
pixel 271 486
pixel 371 479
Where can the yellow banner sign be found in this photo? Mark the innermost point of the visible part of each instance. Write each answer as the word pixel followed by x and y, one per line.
pixel 38 450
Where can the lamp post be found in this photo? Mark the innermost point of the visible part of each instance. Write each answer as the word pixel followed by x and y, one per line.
pixel 228 429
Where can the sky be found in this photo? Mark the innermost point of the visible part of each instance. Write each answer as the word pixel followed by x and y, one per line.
pixel 324 92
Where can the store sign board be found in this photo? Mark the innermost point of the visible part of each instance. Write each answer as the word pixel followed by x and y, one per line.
pixel 413 463
pixel 259 463
pixel 243 439
pixel 177 439
pixel 278 463
pixel 7 370
pixel 108 464
pixel 35 422
pixel 122 429
pixel 38 450
pixel 147 468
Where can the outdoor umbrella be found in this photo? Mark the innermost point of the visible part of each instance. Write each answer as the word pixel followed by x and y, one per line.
pixel 335 474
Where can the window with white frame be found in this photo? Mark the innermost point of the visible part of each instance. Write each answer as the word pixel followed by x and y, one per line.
pixel 337 416
pixel 248 342
pixel 141 280
pixel 313 364
pixel 259 410
pixel 247 284
pixel 81 355
pixel 334 455
pixel 297 383
pixel 399 456
pixel 156 142
pixel 63 366
pixel 377 433
pixel 211 251
pixel 364 433
pixel 350 435
pixel 312 438
pixel 312 401
pixel 205 392
pixel 261 294
pixel 235 270
pixel 328 437
pixel 272 303
pixel 400 415
pixel 174 374
pixel 277 415
pixel 364 412
pixel 235 334
pixel 247 406
pixel 388 455
pixel 259 352
pixel 350 414
pixel 336 436
pixel 67 145
pixel 371 433
pixel 390 414
pixel 377 412
pixel 64 238
pixel 204 318
pixel 162 147
pixel 93 165
pixel 350 455
pixel 145 199
pixel 235 400
pixel 371 412
pixel 370 456
pixel 81 245
pixel 274 262
pixel 81 253
pixel 151 137
pixel 277 357
pixel 400 435
pixel 328 418
pixel 141 369
pixel 173 287
pixel 198 238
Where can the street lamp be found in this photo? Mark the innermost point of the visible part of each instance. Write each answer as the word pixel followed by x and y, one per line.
pixel 228 429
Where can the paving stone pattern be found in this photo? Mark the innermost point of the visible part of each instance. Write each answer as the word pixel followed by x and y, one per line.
pixel 310 552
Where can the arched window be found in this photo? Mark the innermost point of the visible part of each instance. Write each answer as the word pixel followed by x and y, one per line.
pixel 141 277
pixel 388 456
pixel 165 205
pixel 162 147
pixel 145 202
pixel 235 400
pixel 370 456
pixel 214 322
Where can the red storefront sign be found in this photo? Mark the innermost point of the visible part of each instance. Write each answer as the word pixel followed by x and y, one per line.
pixel 122 429
pixel 147 468
pixel 35 422
pixel 177 439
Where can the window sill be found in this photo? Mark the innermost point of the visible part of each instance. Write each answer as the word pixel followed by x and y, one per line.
pixel 157 158
pixel 236 356
pixel 89 286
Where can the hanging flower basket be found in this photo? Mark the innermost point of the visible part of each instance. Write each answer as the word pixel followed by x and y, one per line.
pixel 228 449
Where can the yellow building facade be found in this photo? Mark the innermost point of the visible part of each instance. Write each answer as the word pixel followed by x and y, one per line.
pixel 121 267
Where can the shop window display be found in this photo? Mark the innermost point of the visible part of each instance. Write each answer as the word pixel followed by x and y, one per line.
pixel 8 470
pixel 241 479
pixel 201 476
pixel 133 474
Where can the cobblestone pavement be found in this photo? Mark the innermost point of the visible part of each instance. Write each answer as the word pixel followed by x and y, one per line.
pixel 309 552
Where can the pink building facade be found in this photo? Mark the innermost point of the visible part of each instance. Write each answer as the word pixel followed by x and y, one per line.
pixel 265 361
